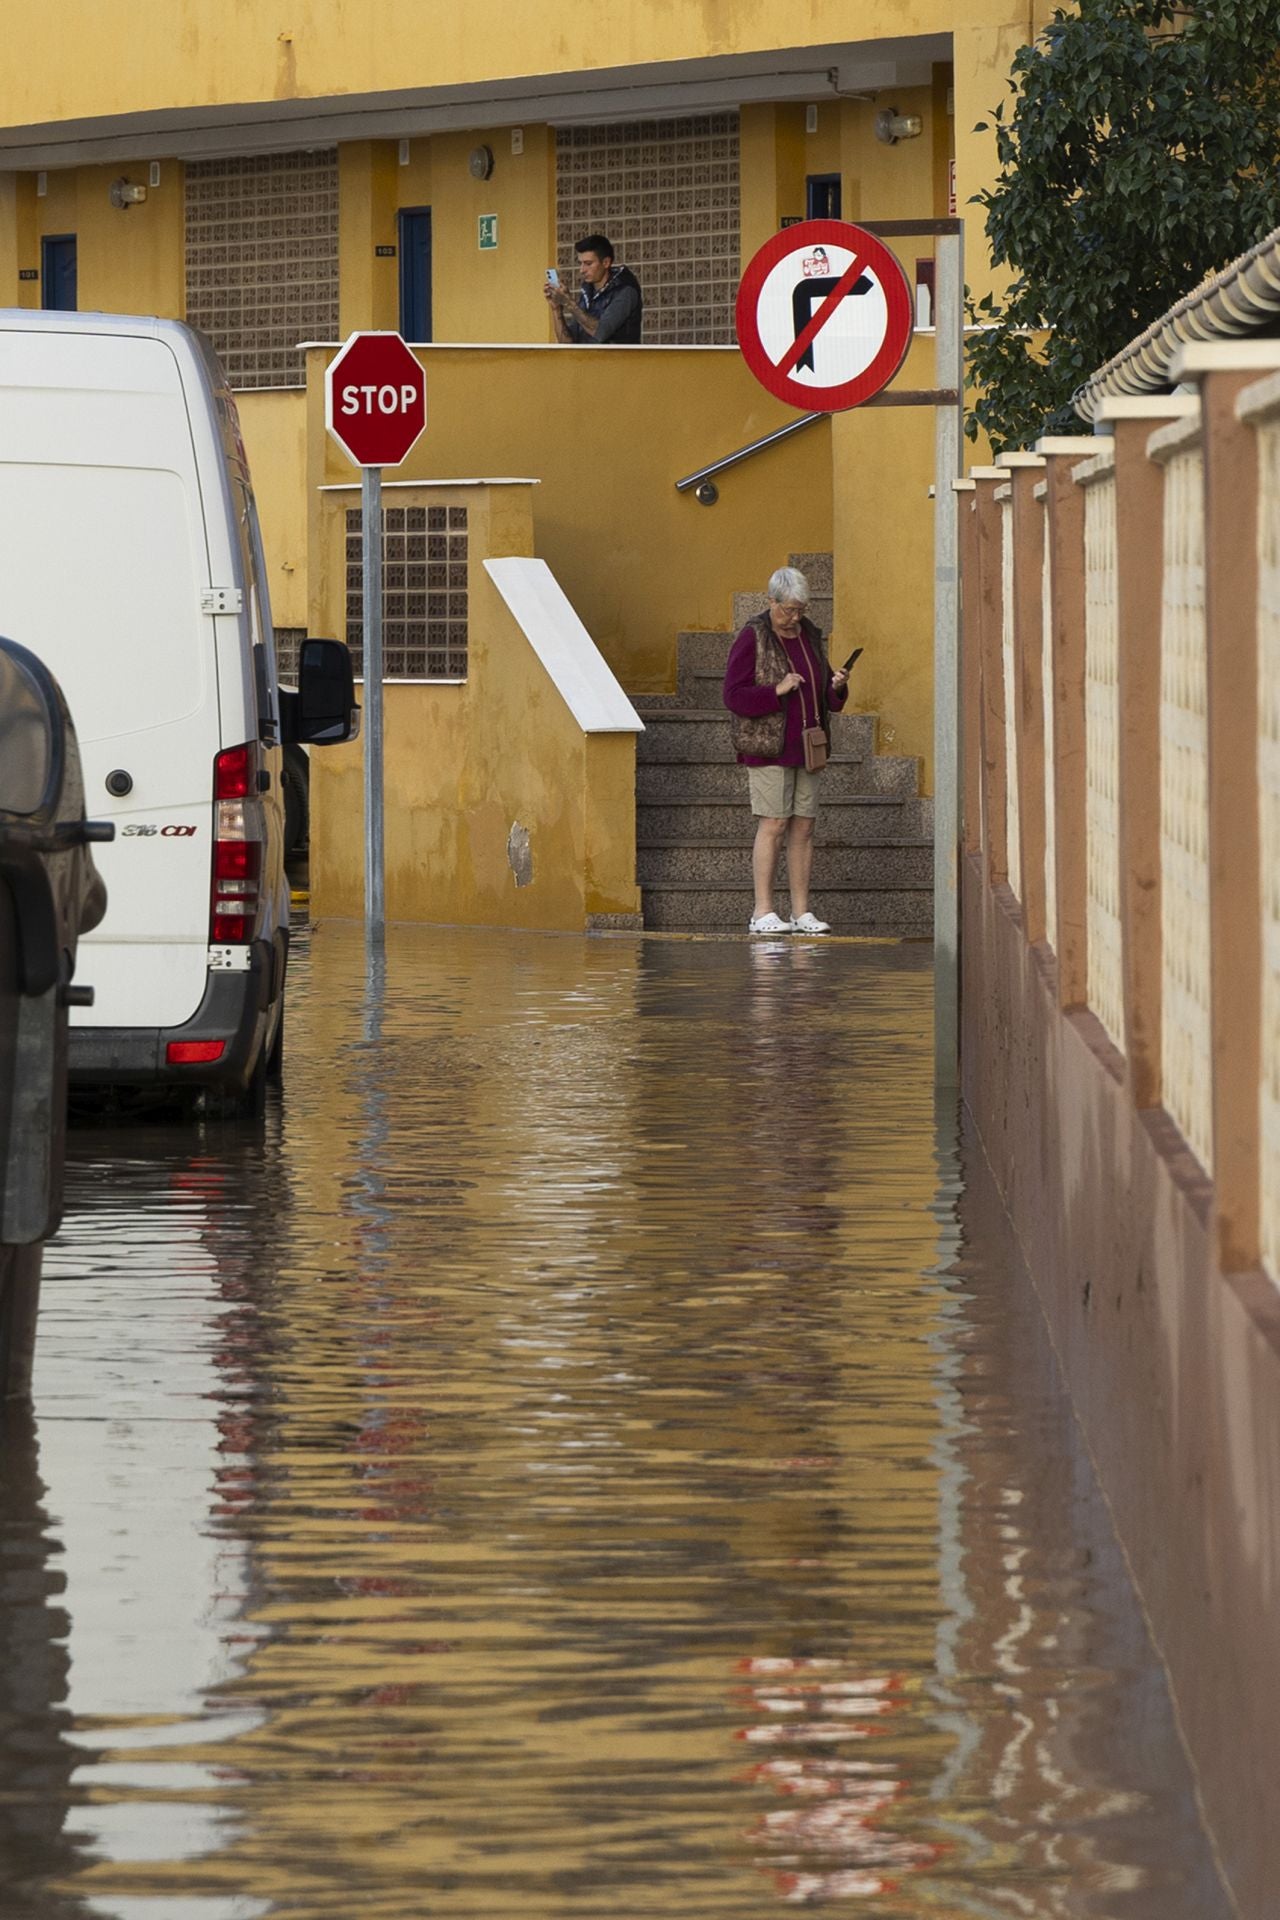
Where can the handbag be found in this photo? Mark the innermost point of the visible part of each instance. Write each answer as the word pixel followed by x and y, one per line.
pixel 813 739
pixel 815 749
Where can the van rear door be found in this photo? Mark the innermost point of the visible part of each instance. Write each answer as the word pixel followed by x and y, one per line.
pixel 104 565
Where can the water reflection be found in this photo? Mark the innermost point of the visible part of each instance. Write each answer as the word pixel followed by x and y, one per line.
pixel 598 1457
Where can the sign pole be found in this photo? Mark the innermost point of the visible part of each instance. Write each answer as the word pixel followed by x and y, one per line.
pixel 374 863
pixel 375 407
pixel 946 664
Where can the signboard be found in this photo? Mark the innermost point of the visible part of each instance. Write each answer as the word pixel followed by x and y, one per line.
pixel 375 399
pixel 824 315
pixel 375 406
pixel 487 229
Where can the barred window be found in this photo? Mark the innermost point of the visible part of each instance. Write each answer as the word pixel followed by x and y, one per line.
pixel 262 260
pixel 667 194
pixel 424 592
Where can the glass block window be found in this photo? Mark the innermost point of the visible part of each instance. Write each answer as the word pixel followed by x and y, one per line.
pixel 424 592
pixel 667 194
pixel 288 646
pixel 262 260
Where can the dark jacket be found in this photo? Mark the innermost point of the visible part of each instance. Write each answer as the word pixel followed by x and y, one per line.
pixel 618 306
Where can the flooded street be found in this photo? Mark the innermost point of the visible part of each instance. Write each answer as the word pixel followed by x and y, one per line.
pixel 594 1455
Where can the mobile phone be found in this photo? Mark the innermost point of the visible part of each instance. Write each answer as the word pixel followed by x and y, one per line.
pixel 553 278
pixel 852 657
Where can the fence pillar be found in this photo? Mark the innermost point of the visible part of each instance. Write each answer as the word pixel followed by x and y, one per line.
pixel 995 801
pixel 970 668
pixel 1235 879
pixel 1139 609
pixel 1025 470
pixel 1065 534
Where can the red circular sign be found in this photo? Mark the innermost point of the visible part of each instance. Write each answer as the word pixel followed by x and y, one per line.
pixel 824 315
pixel 375 399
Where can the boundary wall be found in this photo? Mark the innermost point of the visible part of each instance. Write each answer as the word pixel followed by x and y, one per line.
pixel 1121 1000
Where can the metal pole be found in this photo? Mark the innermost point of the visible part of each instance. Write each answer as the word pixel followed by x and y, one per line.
pixel 946 665
pixel 375 917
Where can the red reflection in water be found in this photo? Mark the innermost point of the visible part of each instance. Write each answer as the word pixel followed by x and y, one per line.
pixel 831 1847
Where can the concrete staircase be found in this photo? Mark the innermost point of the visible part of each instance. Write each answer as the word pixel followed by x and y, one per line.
pixel 873 864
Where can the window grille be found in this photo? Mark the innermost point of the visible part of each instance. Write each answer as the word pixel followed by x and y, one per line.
pixel 667 194
pixel 288 646
pixel 262 260
pixel 424 592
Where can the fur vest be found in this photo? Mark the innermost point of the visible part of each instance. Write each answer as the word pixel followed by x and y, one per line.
pixel 761 737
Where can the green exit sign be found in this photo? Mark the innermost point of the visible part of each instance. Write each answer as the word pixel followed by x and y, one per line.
pixel 488 230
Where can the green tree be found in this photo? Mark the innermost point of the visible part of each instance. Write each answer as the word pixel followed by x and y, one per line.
pixel 1140 155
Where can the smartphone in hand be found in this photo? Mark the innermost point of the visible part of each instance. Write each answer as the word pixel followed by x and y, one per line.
pixel 553 278
pixel 856 654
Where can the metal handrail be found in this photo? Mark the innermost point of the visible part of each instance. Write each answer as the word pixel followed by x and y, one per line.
pixel 704 474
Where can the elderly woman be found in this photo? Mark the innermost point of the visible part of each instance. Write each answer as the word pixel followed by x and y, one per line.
pixel 778 683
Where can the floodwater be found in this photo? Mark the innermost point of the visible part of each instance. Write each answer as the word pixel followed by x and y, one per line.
pixel 595 1454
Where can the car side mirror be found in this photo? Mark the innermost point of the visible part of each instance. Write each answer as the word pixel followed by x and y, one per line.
pixel 323 711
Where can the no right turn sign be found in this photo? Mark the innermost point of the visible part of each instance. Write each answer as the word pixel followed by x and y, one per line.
pixel 824 315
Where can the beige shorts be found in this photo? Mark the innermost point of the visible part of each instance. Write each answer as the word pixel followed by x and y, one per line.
pixel 783 793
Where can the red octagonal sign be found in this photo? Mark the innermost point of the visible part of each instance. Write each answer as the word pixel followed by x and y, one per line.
pixel 375 399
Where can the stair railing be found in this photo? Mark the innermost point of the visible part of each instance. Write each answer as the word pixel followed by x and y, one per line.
pixel 702 483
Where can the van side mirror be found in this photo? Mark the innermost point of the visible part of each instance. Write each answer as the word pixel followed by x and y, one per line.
pixel 323 711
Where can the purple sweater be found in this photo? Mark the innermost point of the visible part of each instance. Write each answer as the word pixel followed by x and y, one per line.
pixel 742 695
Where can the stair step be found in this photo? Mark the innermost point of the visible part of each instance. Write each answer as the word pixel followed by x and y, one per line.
pixel 842 779
pixel 698 690
pixel 818 569
pixel 886 865
pixel 892 913
pixel 700 734
pixel 855 820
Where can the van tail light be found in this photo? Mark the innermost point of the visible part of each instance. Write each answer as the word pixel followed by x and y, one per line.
pixel 238 832
pixel 180 1053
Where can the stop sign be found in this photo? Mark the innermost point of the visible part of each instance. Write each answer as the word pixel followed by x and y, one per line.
pixel 375 399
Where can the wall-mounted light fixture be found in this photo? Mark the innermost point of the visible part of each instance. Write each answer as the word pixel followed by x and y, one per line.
pixel 42 185
pixel 123 194
pixel 892 126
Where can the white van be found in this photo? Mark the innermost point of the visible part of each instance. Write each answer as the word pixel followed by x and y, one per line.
pixel 130 562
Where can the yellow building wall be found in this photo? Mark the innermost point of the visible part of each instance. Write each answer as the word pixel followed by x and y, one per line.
pixel 882 464
pixel 368 283
pixel 607 434
pixel 274 426
pixel 246 53
pixel 128 260
pixel 496 294
pixel 464 764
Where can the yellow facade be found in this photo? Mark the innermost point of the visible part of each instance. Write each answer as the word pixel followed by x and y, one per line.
pixel 468 763
pixel 405 100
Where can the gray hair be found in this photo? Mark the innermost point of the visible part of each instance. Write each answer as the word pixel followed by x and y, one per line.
pixel 788 583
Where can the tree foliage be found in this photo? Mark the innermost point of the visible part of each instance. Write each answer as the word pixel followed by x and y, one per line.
pixel 1140 154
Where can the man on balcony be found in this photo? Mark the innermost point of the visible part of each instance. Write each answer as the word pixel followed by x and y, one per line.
pixel 610 306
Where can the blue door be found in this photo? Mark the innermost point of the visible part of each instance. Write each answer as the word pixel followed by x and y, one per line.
pixel 58 271
pixel 822 196
pixel 415 273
